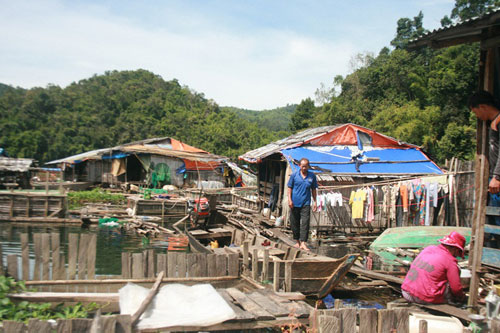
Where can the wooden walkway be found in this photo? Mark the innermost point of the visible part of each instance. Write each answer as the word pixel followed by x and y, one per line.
pixel 254 309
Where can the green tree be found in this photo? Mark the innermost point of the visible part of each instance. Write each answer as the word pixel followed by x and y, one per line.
pixel 408 29
pixel 302 115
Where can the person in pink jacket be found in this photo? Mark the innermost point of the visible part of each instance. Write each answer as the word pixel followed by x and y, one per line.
pixel 434 276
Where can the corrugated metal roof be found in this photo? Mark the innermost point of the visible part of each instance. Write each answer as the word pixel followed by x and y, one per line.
pixel 313 135
pixel 469 30
pixel 152 146
pixel 15 164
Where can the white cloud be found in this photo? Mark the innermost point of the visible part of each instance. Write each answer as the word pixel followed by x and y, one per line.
pixel 48 42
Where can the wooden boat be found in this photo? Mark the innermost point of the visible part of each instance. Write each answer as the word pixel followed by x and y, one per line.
pixel 402 240
pixel 289 268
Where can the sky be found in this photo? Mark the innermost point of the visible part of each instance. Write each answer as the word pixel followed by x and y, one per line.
pixel 258 54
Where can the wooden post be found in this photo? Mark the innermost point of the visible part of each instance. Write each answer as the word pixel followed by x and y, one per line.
pixel 38 254
pixel 45 256
pixel 385 321
pixel 246 244
pixel 91 256
pixel 368 320
pixel 82 255
pixel 72 255
pixel 338 304
pixel 151 263
pixel 1 262
pixel 221 265
pixel 39 326
pixel 11 210
pixel 171 264
pixel 25 254
pixel 181 264
pixel 202 262
pixel 422 326
pixel 348 319
pixel 329 324
pixel 233 268
pixel 211 265
pixel 276 276
pixel 265 266
pixel 13 326
pixel 288 276
pixel 402 320
pixel 12 267
pixel 161 263
pixel 255 264
pixel 137 267
pixel 126 273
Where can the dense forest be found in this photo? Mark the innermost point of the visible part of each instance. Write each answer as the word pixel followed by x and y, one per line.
pixel 119 107
pixel 418 96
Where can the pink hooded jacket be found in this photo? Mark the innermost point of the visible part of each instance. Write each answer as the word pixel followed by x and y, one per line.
pixel 429 273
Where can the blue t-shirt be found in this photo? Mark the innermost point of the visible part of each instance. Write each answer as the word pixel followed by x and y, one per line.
pixel 301 188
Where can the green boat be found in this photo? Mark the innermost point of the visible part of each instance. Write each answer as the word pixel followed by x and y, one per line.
pixel 388 244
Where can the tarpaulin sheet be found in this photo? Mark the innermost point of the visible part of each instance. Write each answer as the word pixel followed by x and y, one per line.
pixel 411 160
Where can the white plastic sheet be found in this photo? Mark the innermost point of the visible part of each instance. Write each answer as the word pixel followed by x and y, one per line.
pixel 176 305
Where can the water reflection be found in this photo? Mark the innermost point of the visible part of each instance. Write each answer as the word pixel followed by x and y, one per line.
pixel 111 242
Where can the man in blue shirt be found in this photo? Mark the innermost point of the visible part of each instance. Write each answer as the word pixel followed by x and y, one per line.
pixel 300 186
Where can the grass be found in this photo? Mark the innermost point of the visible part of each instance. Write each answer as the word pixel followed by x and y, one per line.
pixel 97 195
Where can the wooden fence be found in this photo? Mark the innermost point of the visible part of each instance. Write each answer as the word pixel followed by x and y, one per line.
pixel 15 206
pixel 370 320
pixel 50 263
pixel 108 324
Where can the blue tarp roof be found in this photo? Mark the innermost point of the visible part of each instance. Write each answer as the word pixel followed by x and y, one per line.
pixel 338 160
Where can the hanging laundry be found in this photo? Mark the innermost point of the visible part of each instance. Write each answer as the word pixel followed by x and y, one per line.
pixel 370 216
pixel 431 193
pixel 357 201
pixel 403 192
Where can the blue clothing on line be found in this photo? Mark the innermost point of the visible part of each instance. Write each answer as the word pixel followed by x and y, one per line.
pixel 301 188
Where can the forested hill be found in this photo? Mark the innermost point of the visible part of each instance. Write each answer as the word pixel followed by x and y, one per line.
pixel 274 120
pixel 118 107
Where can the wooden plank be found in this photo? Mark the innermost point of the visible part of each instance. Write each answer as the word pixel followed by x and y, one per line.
pixel 221 264
pixel 91 256
pixel 288 276
pixel 334 279
pixel 211 265
pixel 181 264
pixel 255 264
pixel 202 261
pixel 268 304
pixel 265 266
pixel 56 258
pixel 192 265
pixel 491 257
pixel 161 263
pixel 108 324
pixel 402 320
pixel 124 324
pixel 495 326
pixel 12 266
pixel 368 320
pixel 72 255
pixel 126 269
pixel 45 256
pixel 233 267
pixel 492 211
pixel 137 266
pixel 82 256
pixel 151 264
pixel 25 257
pixel 64 326
pixel 329 324
pixel 241 315
pixel 152 293
pixel 81 325
pixel 172 264
pixel 375 275
pixel 276 276
pixel 145 263
pixel 39 326
pixel 447 309
pixel 65 297
pixel 37 248
pixel 385 321
pixel 249 305
pixel 246 245
pixel 422 326
pixel 348 319
pixel 11 326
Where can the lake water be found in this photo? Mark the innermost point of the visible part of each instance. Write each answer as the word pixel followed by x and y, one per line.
pixel 111 242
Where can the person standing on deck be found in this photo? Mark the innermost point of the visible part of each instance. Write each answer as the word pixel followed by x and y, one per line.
pixel 301 185
pixel 434 276
pixel 487 108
